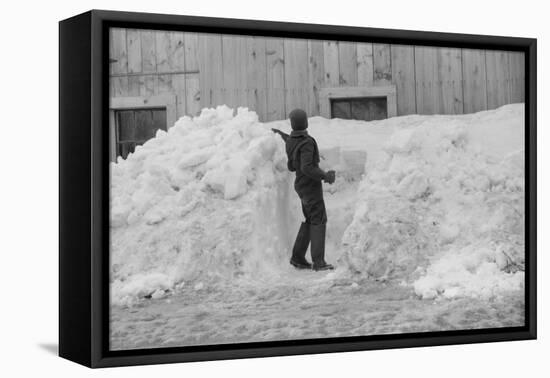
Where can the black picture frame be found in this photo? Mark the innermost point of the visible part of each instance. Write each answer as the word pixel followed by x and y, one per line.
pixel 84 189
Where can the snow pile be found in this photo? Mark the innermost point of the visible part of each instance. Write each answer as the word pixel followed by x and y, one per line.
pixel 204 201
pixel 475 271
pixel 210 203
pixel 444 210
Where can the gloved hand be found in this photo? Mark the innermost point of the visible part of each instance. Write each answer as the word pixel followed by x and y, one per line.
pixel 285 136
pixel 330 177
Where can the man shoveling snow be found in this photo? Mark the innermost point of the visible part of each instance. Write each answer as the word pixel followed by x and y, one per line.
pixel 303 158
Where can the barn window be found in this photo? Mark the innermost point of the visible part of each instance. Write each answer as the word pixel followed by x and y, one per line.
pixel 361 103
pixel 360 108
pixel 136 126
pixel 134 120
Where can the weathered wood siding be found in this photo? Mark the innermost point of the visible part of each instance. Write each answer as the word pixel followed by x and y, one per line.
pixel 404 77
pixel 274 75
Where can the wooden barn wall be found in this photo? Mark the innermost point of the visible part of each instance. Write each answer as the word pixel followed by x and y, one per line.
pixel 273 76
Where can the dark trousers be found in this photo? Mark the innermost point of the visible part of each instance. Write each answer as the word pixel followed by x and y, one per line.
pixel 312 230
pixel 313 204
pixel 314 211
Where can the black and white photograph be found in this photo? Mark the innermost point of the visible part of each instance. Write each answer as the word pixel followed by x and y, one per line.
pixel 268 189
pixel 275 189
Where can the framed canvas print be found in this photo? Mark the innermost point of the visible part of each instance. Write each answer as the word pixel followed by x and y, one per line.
pixel 235 188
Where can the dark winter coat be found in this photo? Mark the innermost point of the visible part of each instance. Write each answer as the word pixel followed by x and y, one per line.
pixel 303 158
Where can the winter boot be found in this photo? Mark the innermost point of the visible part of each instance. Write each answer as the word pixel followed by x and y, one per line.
pixel 298 259
pixel 318 232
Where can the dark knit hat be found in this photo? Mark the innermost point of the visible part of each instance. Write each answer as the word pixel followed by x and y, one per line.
pixel 298 119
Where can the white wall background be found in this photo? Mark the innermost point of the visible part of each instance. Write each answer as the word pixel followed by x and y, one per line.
pixel 29 189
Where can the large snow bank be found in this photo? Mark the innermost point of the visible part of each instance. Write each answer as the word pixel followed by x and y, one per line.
pixel 444 209
pixel 211 202
pixel 206 200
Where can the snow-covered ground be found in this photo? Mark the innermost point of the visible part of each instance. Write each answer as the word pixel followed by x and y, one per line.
pixel 425 227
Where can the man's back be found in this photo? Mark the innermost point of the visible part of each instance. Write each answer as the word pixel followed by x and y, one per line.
pixel 303 158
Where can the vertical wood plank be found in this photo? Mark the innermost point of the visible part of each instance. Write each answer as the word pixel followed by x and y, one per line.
pixel 148 51
pixel 169 51
pixel 148 84
pixel 211 73
pixel 164 84
pixel 382 64
pixel 498 73
pixel 229 68
pixel 177 59
pixel 192 81
pixel 275 64
pixel 332 63
pixel 170 60
pixel 133 42
pixel 347 62
pixel 192 94
pixel 474 80
pixel 316 75
pixel 234 70
pixel 178 88
pixel 191 46
pixel 365 67
pixel 438 80
pixel 118 52
pixel 403 76
pixel 134 86
pixel 163 51
pixel 449 62
pixel 517 76
pixel 119 86
pixel 257 76
pixel 241 71
pixel 296 74
pixel 427 98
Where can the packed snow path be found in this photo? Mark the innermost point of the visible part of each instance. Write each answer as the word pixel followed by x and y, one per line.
pixel 307 306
